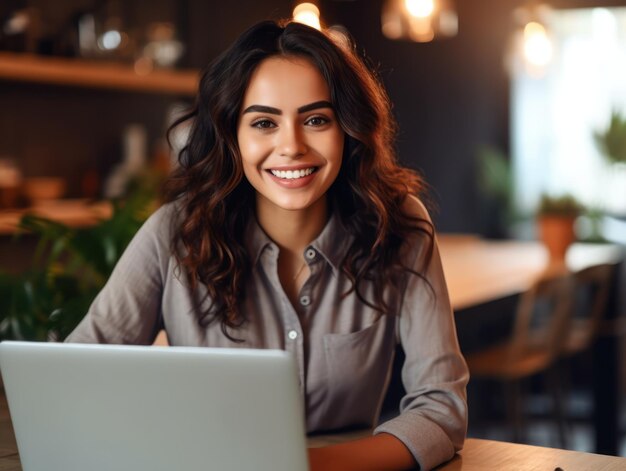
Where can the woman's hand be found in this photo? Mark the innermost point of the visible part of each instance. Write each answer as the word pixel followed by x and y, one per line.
pixel 377 453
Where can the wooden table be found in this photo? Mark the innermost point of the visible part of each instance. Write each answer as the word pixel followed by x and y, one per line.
pixel 480 271
pixel 477 455
pixel 488 455
pixel 9 459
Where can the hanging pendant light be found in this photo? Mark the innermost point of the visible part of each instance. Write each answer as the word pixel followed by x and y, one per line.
pixel 537 44
pixel 532 46
pixel 419 20
pixel 307 13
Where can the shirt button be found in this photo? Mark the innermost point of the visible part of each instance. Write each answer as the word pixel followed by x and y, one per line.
pixel 305 300
pixel 292 334
pixel 310 254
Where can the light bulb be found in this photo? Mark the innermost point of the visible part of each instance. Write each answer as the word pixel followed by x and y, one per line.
pixel 308 14
pixel 420 8
pixel 537 44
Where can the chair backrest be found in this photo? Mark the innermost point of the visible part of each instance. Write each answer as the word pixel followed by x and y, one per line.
pixel 591 294
pixel 543 316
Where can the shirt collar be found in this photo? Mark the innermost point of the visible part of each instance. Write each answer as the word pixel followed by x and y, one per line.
pixel 332 243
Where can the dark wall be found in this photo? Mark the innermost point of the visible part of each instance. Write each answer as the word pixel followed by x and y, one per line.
pixel 449 97
pixel 66 131
pixel 213 26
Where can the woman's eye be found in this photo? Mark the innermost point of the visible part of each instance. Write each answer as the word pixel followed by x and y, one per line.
pixel 263 124
pixel 317 121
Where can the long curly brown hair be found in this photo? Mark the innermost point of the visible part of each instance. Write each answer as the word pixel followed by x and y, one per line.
pixel 217 202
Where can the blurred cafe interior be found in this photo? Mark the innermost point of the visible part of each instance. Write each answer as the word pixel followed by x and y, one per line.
pixel 514 112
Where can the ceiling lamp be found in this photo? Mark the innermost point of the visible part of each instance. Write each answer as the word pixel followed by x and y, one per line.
pixel 419 20
pixel 532 44
pixel 537 44
pixel 308 14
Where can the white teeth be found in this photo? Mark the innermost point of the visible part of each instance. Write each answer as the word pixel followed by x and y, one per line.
pixel 292 174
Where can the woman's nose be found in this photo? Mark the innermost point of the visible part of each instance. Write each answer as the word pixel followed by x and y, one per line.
pixel 291 142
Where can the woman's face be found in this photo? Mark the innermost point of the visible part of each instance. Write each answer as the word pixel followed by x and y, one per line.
pixel 290 141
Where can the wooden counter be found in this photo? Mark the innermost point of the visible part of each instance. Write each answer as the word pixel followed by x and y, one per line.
pixel 74 213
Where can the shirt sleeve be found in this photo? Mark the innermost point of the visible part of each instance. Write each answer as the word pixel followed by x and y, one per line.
pixel 433 414
pixel 128 309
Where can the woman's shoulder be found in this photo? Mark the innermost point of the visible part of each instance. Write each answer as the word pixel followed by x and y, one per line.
pixel 415 208
pixel 163 222
pixel 419 242
pixel 167 212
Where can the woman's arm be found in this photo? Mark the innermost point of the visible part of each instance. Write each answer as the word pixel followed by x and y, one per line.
pixel 128 309
pixel 433 414
pixel 380 452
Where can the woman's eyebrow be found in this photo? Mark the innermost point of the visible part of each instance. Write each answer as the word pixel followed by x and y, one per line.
pixel 262 109
pixel 303 109
pixel 315 105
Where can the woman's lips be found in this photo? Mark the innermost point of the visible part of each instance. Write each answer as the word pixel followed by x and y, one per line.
pixel 293 177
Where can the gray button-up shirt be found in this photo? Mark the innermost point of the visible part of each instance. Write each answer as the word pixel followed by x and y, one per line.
pixel 343 348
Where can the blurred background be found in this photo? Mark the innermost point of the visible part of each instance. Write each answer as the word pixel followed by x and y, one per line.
pixel 535 96
pixel 510 109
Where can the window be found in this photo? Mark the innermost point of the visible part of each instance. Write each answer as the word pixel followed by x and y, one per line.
pixel 554 115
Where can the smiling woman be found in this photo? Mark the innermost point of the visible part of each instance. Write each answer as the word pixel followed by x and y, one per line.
pixel 290 225
pixel 290 141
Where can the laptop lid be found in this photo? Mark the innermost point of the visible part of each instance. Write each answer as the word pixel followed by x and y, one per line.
pixel 104 407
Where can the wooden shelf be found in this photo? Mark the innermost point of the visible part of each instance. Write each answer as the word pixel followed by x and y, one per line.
pixel 95 74
pixel 73 213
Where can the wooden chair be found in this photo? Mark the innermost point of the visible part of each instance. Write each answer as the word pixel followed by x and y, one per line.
pixel 541 319
pixel 591 294
pixel 592 287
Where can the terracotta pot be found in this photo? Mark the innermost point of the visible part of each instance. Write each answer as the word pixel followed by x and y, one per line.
pixel 556 232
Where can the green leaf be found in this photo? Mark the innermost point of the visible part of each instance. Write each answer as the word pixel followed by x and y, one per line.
pixel 69 268
pixel 612 140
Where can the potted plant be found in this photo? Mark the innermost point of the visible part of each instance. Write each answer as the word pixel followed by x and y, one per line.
pixel 612 140
pixel 69 268
pixel 555 219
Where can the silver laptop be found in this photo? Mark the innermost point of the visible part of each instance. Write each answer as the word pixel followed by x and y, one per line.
pixel 103 407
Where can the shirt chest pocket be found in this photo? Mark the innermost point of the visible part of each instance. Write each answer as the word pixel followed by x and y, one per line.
pixel 358 366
